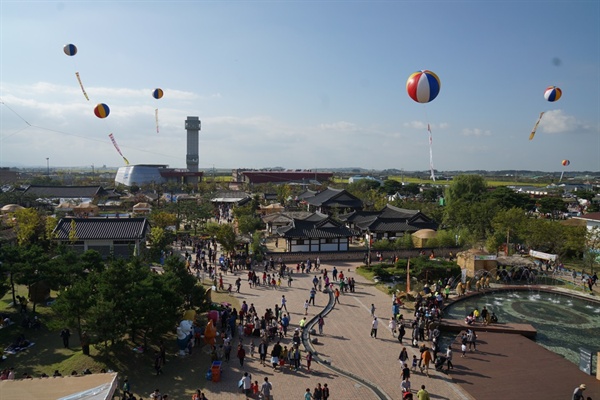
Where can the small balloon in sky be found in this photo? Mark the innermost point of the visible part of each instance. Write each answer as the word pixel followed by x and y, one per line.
pixel 157 93
pixel 552 93
pixel 423 86
pixel 70 49
pixel 566 163
pixel 101 110
pixel 556 61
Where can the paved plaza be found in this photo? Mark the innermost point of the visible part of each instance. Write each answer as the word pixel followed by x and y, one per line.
pixel 361 367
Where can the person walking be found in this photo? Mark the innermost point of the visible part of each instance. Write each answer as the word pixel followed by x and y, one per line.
pixel 374 326
pixel 246 384
pixel 306 303
pixel 318 392
pixel 241 354
pixel 325 392
pixel 313 293
pixel 449 359
pixel 403 357
pixel 578 393
pixel 263 349
pixel 372 310
pixel 423 394
pixel 425 360
pixel 308 395
pixel 337 296
pixel 283 303
pixel 401 332
pixel 392 325
pixel 320 324
pixel 65 334
pixel 266 388
pixel 309 357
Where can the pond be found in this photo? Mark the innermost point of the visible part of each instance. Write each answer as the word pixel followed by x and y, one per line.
pixel 564 323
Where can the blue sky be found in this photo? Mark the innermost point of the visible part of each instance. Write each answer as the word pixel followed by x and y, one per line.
pixel 302 84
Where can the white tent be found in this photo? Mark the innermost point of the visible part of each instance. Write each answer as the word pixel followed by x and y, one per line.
pixel 80 387
pixel 543 256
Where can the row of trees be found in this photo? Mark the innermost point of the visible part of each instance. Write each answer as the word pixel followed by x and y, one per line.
pixel 476 215
pixel 108 298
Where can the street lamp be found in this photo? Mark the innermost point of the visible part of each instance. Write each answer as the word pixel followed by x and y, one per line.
pixel 48 166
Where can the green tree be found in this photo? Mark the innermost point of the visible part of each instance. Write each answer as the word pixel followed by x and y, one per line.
pixel 9 258
pixel 506 198
pixel 462 196
pixel 249 224
pixel 29 226
pixel 283 193
pixel 390 186
pixel 73 305
pixel 509 221
pixel 33 269
pixel 159 240
pixel 226 238
pixel 552 205
pixel 162 219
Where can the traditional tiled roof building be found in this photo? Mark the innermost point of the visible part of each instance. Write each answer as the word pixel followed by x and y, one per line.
pixel 391 222
pixel 119 237
pixel 315 233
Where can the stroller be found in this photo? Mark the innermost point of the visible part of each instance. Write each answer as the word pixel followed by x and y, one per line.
pixel 439 363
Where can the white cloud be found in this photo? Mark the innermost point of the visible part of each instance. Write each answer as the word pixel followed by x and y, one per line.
pixel 556 121
pixel 340 126
pixel 416 125
pixel 475 132
pixel 423 125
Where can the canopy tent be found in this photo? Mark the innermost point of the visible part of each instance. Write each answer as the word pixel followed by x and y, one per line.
pixel 80 387
pixel 543 256
pixel 65 206
pixel 142 208
pixel 87 209
pixel 9 208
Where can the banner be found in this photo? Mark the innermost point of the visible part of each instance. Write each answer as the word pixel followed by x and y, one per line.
pixel 114 142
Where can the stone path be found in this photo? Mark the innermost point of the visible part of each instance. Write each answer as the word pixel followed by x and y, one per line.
pixel 355 357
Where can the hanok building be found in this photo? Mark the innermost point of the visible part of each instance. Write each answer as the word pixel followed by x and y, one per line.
pixel 118 237
pixel 281 219
pixel 389 223
pixel 329 199
pixel 316 233
pixel 53 196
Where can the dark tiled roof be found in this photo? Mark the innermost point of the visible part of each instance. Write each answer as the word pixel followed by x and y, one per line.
pixel 74 192
pixel 286 216
pixel 335 198
pixel 306 194
pixel 323 228
pixel 103 228
pixel 390 219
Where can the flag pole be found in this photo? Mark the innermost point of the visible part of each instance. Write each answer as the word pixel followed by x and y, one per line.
pixel 408 276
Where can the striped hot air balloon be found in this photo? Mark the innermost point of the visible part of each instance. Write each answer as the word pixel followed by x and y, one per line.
pixel 70 49
pixel 423 86
pixel 552 93
pixel 157 93
pixel 101 110
pixel 565 163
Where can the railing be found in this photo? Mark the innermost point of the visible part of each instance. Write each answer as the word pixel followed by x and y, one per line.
pixel 358 255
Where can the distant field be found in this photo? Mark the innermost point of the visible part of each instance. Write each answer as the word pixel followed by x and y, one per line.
pixel 490 182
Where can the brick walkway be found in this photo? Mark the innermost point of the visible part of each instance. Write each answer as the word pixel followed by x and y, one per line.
pixel 346 343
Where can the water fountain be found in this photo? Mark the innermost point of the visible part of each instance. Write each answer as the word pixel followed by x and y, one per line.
pixel 565 323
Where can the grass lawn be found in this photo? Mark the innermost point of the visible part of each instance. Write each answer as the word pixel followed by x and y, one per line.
pixel 181 377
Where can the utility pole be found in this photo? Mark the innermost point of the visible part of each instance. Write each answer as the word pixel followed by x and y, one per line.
pixel 48 167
